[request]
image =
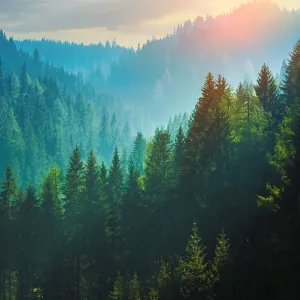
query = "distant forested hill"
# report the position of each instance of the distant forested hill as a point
(164, 75)
(74, 57)
(45, 111)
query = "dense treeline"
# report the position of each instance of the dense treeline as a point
(76, 58)
(40, 125)
(125, 230)
(45, 111)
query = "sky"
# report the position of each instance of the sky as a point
(91, 21)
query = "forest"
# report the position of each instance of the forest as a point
(92, 207)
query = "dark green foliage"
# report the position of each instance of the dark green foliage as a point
(192, 268)
(266, 90)
(115, 178)
(91, 177)
(291, 83)
(139, 151)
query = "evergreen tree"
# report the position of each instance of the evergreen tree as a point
(179, 151)
(15, 88)
(291, 83)
(266, 90)
(2, 81)
(91, 177)
(158, 171)
(134, 289)
(118, 292)
(139, 151)
(115, 178)
(8, 195)
(28, 239)
(130, 218)
(193, 268)
(8, 198)
(73, 188)
(104, 135)
(114, 131)
(221, 256)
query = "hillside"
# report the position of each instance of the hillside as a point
(166, 75)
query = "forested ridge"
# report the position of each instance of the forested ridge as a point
(46, 111)
(207, 208)
(164, 75)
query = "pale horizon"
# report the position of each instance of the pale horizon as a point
(83, 23)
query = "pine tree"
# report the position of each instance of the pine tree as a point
(130, 208)
(25, 80)
(266, 90)
(28, 238)
(50, 233)
(73, 188)
(221, 86)
(115, 178)
(91, 177)
(198, 124)
(158, 171)
(114, 131)
(139, 151)
(118, 291)
(124, 161)
(193, 268)
(115, 191)
(291, 83)
(134, 289)
(179, 151)
(103, 183)
(153, 294)
(2, 81)
(221, 254)
(8, 195)
(15, 88)
(104, 136)
(164, 279)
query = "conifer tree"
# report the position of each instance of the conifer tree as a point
(130, 208)
(221, 86)
(28, 238)
(91, 177)
(221, 255)
(2, 81)
(153, 294)
(104, 135)
(103, 182)
(8, 195)
(179, 151)
(158, 171)
(266, 90)
(139, 151)
(198, 124)
(134, 289)
(15, 88)
(73, 188)
(115, 191)
(50, 233)
(193, 268)
(118, 291)
(114, 131)
(115, 178)
(291, 83)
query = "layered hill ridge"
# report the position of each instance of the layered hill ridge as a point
(169, 72)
